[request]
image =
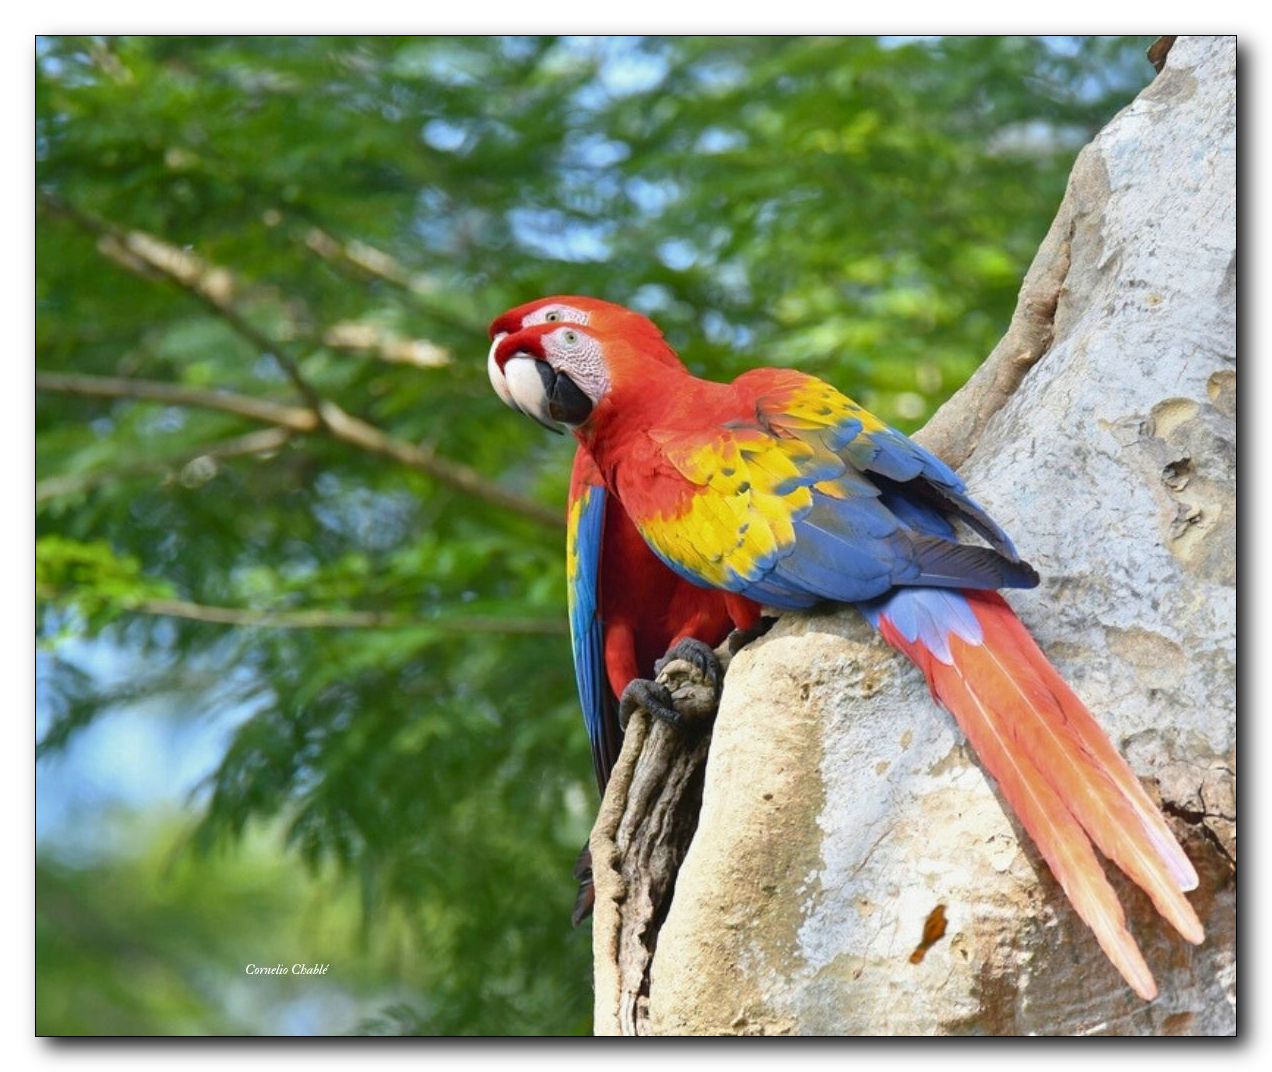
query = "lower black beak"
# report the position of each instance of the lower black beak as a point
(566, 403)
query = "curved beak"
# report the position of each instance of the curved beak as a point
(526, 380)
(530, 394)
(497, 380)
(529, 384)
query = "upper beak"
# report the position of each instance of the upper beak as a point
(522, 383)
(526, 382)
(529, 383)
(497, 380)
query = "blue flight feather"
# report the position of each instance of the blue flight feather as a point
(586, 630)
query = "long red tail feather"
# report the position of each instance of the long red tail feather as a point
(1061, 775)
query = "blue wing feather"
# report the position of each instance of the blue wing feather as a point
(587, 636)
(880, 514)
(910, 472)
(846, 507)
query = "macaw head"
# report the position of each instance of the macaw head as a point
(557, 359)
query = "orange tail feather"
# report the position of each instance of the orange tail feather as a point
(1062, 776)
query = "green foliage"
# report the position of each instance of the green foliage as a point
(158, 942)
(90, 579)
(232, 214)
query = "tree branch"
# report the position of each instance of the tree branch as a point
(366, 259)
(347, 619)
(360, 337)
(211, 286)
(333, 422)
(361, 259)
(293, 418)
(218, 289)
(646, 823)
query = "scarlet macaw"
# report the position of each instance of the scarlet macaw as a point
(781, 490)
(628, 611)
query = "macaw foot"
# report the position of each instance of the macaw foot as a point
(697, 655)
(587, 893)
(653, 697)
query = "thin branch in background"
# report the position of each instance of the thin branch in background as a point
(212, 286)
(219, 289)
(361, 337)
(294, 418)
(333, 422)
(368, 259)
(343, 619)
(215, 291)
(359, 258)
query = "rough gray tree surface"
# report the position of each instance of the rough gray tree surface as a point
(646, 824)
(841, 806)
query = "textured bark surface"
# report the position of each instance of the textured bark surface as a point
(645, 826)
(841, 806)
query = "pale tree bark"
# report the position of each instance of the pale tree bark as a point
(840, 806)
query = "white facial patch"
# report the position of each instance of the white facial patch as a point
(551, 314)
(579, 356)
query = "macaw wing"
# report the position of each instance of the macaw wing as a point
(812, 499)
(802, 406)
(584, 540)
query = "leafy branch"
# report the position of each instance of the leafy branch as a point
(358, 258)
(329, 420)
(315, 618)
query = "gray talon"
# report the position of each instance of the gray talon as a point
(653, 697)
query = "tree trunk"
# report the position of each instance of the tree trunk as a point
(841, 806)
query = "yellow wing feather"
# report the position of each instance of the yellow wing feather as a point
(755, 482)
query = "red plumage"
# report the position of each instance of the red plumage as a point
(646, 608)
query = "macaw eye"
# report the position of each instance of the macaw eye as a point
(570, 338)
(552, 317)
